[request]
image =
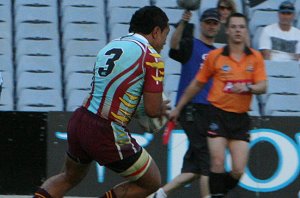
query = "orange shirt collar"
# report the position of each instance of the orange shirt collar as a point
(226, 51)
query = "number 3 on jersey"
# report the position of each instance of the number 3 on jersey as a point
(110, 63)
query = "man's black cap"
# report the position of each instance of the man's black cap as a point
(210, 14)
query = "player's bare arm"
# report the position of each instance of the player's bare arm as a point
(154, 104)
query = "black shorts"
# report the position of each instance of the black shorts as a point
(194, 121)
(228, 124)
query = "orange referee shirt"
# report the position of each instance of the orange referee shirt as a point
(226, 71)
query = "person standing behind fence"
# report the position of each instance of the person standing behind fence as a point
(281, 41)
(237, 72)
(191, 52)
(225, 9)
(125, 70)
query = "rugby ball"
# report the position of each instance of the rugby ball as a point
(156, 124)
(189, 4)
(151, 125)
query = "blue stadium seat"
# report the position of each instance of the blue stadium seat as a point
(36, 30)
(73, 14)
(38, 81)
(6, 101)
(265, 5)
(76, 99)
(283, 69)
(118, 30)
(81, 31)
(171, 82)
(283, 104)
(166, 4)
(38, 64)
(6, 63)
(82, 48)
(79, 64)
(261, 18)
(120, 15)
(40, 100)
(128, 3)
(172, 66)
(36, 46)
(77, 80)
(36, 13)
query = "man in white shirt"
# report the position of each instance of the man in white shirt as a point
(281, 41)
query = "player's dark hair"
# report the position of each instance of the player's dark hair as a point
(236, 14)
(147, 18)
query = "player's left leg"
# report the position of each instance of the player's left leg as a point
(58, 185)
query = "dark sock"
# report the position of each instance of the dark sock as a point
(41, 193)
(230, 182)
(217, 184)
(109, 194)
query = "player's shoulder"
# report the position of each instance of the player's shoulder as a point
(129, 46)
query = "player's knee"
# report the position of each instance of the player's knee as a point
(155, 185)
(150, 189)
(217, 164)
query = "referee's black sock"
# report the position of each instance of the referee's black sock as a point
(230, 182)
(217, 184)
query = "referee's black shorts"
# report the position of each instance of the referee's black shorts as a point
(228, 124)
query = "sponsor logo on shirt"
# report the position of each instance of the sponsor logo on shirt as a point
(226, 68)
(250, 68)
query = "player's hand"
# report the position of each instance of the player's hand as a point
(174, 115)
(165, 108)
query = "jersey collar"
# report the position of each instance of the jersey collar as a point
(142, 38)
(226, 51)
